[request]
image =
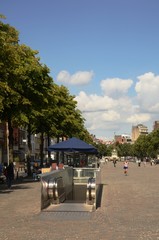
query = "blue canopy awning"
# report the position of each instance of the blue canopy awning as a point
(73, 145)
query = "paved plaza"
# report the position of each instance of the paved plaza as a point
(129, 209)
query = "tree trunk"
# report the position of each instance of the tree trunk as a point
(41, 149)
(29, 150)
(10, 133)
(48, 143)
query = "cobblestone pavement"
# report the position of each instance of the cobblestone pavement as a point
(129, 210)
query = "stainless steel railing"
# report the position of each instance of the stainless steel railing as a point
(56, 190)
(55, 186)
(60, 185)
(91, 191)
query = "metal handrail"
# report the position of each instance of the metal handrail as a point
(56, 190)
(90, 193)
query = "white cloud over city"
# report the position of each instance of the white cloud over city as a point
(78, 78)
(115, 86)
(147, 89)
(114, 109)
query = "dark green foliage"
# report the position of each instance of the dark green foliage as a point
(28, 95)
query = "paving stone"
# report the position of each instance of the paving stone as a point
(129, 209)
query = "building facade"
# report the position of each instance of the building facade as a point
(156, 125)
(138, 130)
(124, 138)
(20, 146)
(3, 143)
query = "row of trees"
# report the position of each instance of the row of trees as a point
(29, 97)
(146, 146)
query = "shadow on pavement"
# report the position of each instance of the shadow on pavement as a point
(18, 184)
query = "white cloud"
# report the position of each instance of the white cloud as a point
(115, 86)
(113, 110)
(138, 118)
(147, 89)
(93, 102)
(111, 116)
(63, 77)
(101, 121)
(79, 78)
(103, 113)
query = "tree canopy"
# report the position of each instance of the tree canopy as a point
(28, 95)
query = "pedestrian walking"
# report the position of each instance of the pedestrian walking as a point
(126, 167)
(10, 174)
(106, 160)
(139, 162)
(114, 162)
(145, 162)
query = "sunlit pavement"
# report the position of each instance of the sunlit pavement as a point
(129, 209)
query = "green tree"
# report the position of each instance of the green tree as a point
(29, 97)
(25, 83)
(68, 119)
(125, 150)
(153, 144)
(140, 147)
(9, 62)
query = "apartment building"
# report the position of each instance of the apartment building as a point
(123, 138)
(138, 130)
(20, 146)
(156, 125)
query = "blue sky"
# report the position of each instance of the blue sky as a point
(106, 52)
